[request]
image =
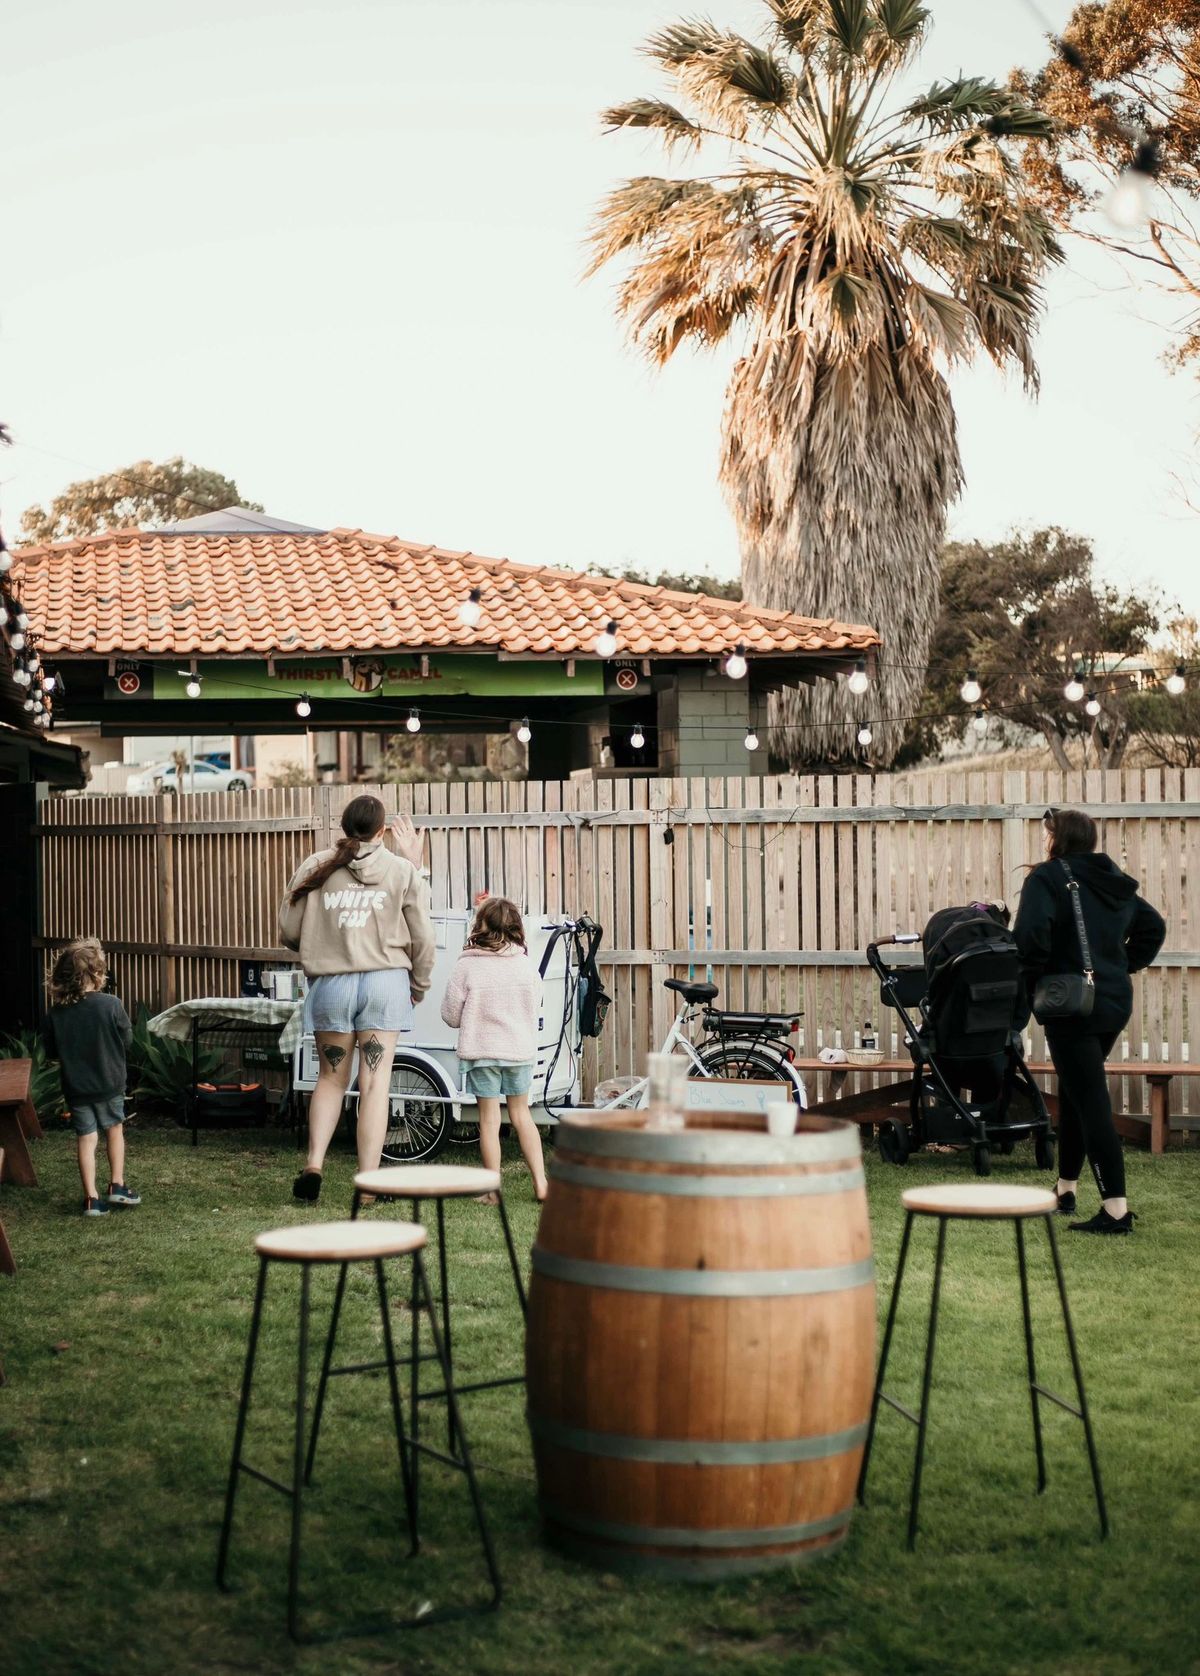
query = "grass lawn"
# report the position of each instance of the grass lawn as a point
(123, 1342)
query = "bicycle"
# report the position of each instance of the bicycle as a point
(743, 1047)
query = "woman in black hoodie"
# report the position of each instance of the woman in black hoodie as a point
(1125, 934)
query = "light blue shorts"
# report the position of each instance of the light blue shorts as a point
(347, 1002)
(488, 1079)
(90, 1115)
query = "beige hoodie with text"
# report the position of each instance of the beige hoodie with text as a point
(369, 916)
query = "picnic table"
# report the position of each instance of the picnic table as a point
(869, 1106)
(18, 1125)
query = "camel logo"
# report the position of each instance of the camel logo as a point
(367, 674)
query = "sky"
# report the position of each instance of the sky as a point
(335, 251)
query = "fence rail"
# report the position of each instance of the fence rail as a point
(776, 884)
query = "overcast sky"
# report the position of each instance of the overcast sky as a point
(334, 250)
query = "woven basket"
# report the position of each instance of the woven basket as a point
(864, 1056)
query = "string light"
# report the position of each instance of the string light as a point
(5, 558)
(524, 732)
(637, 738)
(970, 692)
(1074, 689)
(303, 705)
(1177, 682)
(735, 663)
(865, 736)
(193, 687)
(858, 682)
(17, 641)
(1131, 200)
(980, 723)
(1093, 705)
(470, 611)
(413, 724)
(28, 704)
(606, 643)
(751, 740)
(50, 682)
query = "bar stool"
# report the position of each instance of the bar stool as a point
(976, 1201)
(418, 1183)
(345, 1243)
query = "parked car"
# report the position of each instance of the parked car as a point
(201, 776)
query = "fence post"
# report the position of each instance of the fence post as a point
(164, 856)
(662, 911)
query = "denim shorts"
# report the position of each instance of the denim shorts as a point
(346, 1002)
(487, 1080)
(90, 1115)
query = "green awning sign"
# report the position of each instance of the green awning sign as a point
(387, 675)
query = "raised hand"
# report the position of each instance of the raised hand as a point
(410, 841)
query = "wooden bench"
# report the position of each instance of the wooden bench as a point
(869, 1106)
(8, 1263)
(18, 1123)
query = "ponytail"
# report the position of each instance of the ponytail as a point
(362, 818)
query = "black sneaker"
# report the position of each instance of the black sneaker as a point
(120, 1194)
(1103, 1223)
(307, 1185)
(1066, 1203)
(95, 1207)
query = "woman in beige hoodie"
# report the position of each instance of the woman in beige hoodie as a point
(359, 917)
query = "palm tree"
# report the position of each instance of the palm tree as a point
(862, 249)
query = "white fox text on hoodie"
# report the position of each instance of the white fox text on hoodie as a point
(369, 916)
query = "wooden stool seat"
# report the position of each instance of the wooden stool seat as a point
(427, 1181)
(340, 1242)
(979, 1199)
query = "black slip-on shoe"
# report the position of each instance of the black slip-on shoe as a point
(1066, 1203)
(1103, 1223)
(307, 1185)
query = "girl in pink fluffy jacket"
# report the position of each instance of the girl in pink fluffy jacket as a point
(492, 1000)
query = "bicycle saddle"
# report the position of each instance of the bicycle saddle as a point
(692, 991)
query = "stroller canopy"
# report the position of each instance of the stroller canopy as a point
(975, 992)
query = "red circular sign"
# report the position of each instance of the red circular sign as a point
(627, 679)
(129, 681)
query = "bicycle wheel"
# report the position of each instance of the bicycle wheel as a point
(742, 1063)
(419, 1117)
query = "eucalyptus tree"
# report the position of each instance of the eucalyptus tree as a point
(856, 243)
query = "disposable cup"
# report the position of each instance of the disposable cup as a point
(781, 1117)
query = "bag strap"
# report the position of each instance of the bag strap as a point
(1080, 928)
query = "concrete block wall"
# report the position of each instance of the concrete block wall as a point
(702, 722)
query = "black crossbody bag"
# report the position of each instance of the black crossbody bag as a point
(1068, 994)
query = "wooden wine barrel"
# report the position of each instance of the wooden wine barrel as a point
(701, 1342)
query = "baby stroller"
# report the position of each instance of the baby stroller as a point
(968, 1060)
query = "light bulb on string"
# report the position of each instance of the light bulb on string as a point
(1177, 682)
(606, 642)
(50, 682)
(17, 641)
(5, 560)
(637, 738)
(970, 692)
(524, 732)
(858, 681)
(20, 618)
(304, 705)
(470, 611)
(865, 735)
(1093, 705)
(193, 686)
(735, 663)
(751, 740)
(981, 724)
(28, 704)
(413, 724)
(1074, 689)
(1131, 201)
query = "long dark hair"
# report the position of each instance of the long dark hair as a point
(1072, 832)
(497, 923)
(361, 819)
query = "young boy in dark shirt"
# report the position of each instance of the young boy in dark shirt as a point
(88, 1032)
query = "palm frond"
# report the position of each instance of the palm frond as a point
(902, 22)
(675, 128)
(678, 43)
(965, 103)
(848, 25)
(635, 214)
(797, 24)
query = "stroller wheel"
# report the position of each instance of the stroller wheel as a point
(1043, 1151)
(982, 1154)
(893, 1142)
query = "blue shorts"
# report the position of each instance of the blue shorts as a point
(346, 1002)
(488, 1079)
(90, 1115)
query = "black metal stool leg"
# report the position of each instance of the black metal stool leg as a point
(326, 1364)
(1034, 1395)
(240, 1429)
(298, 1461)
(512, 1256)
(468, 1466)
(414, 1389)
(883, 1356)
(923, 1420)
(397, 1412)
(1093, 1458)
(444, 1284)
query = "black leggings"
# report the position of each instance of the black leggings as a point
(1085, 1120)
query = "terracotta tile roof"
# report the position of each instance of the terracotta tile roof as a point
(196, 594)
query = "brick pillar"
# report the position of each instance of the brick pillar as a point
(702, 722)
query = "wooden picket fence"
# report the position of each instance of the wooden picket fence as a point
(772, 886)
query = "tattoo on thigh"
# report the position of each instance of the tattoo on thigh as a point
(333, 1055)
(372, 1052)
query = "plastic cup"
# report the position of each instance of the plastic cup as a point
(781, 1118)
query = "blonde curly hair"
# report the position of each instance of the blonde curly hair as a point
(81, 966)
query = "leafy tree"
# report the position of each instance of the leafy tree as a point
(1123, 87)
(684, 582)
(858, 247)
(1168, 725)
(1025, 614)
(142, 494)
